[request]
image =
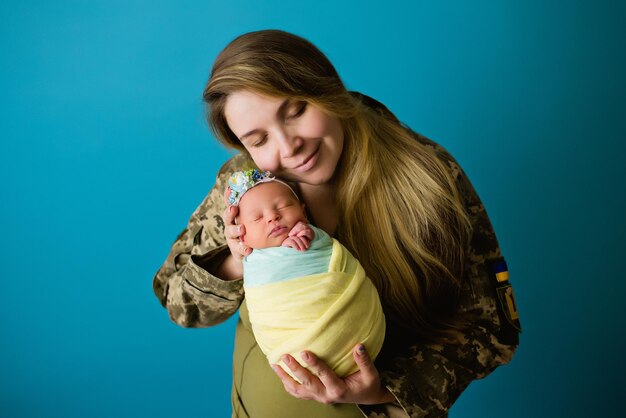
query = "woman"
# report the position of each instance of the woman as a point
(396, 200)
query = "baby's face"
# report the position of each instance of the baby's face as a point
(268, 211)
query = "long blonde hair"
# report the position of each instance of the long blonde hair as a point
(400, 212)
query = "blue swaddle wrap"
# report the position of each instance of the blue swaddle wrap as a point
(276, 264)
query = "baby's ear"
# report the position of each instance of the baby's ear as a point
(304, 210)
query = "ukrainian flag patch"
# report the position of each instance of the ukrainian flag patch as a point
(501, 271)
(507, 308)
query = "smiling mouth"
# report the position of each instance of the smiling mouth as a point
(308, 159)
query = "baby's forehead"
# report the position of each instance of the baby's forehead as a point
(266, 191)
(275, 188)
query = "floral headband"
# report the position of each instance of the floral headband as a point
(242, 181)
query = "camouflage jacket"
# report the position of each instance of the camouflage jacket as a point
(425, 379)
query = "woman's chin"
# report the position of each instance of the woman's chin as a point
(315, 178)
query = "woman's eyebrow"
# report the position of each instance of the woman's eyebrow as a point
(280, 112)
(252, 132)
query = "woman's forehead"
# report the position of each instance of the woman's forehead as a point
(247, 110)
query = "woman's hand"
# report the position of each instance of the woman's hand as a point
(231, 267)
(362, 387)
(234, 233)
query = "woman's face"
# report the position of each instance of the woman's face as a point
(292, 139)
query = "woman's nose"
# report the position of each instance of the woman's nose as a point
(289, 144)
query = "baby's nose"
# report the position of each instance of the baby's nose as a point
(273, 217)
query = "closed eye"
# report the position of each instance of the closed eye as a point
(254, 217)
(259, 142)
(298, 110)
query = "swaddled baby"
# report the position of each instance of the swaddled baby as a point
(304, 290)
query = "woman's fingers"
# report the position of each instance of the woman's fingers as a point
(234, 233)
(334, 386)
(230, 214)
(291, 386)
(303, 375)
(242, 249)
(231, 230)
(227, 194)
(368, 371)
(308, 387)
(320, 383)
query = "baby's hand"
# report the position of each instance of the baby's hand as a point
(300, 237)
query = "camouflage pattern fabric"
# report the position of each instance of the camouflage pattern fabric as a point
(193, 297)
(430, 377)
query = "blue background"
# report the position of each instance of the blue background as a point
(105, 154)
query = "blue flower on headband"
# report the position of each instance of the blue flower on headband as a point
(241, 181)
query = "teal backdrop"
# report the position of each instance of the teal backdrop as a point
(106, 152)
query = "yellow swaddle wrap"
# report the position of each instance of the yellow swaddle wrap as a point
(326, 313)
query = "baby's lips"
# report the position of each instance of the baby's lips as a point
(277, 229)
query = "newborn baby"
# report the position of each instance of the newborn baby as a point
(304, 290)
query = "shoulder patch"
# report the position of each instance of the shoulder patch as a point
(501, 271)
(507, 307)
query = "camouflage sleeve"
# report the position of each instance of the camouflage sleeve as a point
(184, 285)
(430, 378)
